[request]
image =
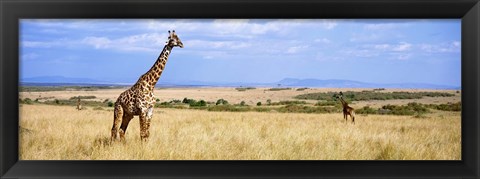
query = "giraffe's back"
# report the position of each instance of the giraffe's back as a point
(134, 101)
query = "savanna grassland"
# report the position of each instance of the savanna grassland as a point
(284, 128)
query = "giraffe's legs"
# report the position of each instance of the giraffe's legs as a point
(123, 127)
(145, 125)
(117, 119)
(352, 115)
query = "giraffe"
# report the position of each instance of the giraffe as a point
(139, 99)
(347, 110)
(79, 105)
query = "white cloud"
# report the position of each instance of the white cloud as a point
(447, 47)
(98, 42)
(403, 46)
(296, 49)
(64, 43)
(398, 51)
(363, 37)
(148, 42)
(381, 26)
(225, 45)
(400, 47)
(323, 40)
(362, 53)
(329, 24)
(30, 56)
(403, 56)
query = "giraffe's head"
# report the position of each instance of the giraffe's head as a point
(338, 96)
(173, 40)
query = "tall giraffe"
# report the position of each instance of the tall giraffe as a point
(347, 110)
(139, 99)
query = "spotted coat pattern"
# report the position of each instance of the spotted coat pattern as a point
(139, 99)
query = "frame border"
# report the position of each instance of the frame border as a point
(12, 11)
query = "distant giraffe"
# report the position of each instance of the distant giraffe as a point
(347, 110)
(139, 99)
(79, 104)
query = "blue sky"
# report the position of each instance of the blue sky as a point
(242, 50)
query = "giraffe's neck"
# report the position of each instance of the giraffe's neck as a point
(152, 75)
(343, 102)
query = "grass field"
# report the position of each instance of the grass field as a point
(51, 132)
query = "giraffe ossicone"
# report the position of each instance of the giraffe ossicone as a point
(139, 99)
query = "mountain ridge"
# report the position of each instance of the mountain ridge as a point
(286, 82)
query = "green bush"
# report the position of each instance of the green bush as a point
(446, 107)
(371, 95)
(82, 97)
(242, 103)
(259, 103)
(409, 109)
(188, 101)
(288, 102)
(200, 103)
(26, 101)
(278, 89)
(245, 89)
(306, 109)
(230, 108)
(221, 101)
(327, 103)
(366, 110)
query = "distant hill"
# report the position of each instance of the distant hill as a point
(287, 82)
(61, 79)
(335, 83)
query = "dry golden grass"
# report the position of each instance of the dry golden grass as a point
(63, 133)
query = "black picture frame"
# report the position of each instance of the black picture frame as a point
(12, 11)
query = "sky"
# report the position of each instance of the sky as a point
(245, 50)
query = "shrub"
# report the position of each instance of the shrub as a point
(26, 101)
(176, 101)
(288, 102)
(306, 109)
(221, 101)
(259, 103)
(83, 97)
(269, 101)
(447, 107)
(230, 108)
(242, 103)
(110, 104)
(189, 101)
(278, 89)
(366, 110)
(245, 89)
(371, 95)
(327, 103)
(409, 109)
(200, 103)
